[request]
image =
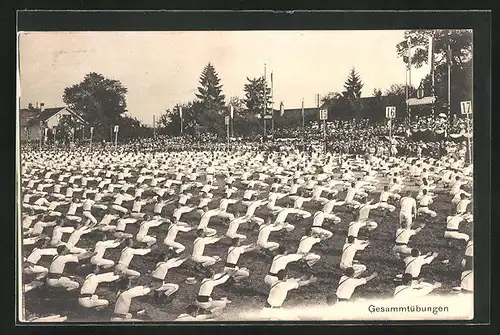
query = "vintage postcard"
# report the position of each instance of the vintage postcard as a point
(175, 176)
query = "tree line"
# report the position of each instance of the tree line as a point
(102, 101)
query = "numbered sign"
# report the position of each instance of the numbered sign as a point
(91, 130)
(116, 129)
(390, 112)
(231, 110)
(226, 120)
(180, 112)
(466, 107)
(323, 114)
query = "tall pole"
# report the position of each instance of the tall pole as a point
(390, 136)
(227, 131)
(272, 103)
(154, 126)
(265, 98)
(448, 60)
(409, 79)
(303, 128)
(91, 134)
(116, 137)
(41, 134)
(180, 116)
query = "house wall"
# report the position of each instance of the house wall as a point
(54, 120)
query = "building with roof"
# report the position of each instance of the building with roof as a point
(34, 122)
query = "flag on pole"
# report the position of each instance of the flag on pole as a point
(231, 111)
(180, 112)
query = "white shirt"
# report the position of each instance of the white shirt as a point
(128, 253)
(385, 195)
(234, 253)
(144, 228)
(347, 285)
(467, 280)
(279, 291)
(224, 203)
(403, 235)
(205, 218)
(469, 250)
(75, 236)
(349, 251)
(122, 305)
(173, 229)
(200, 243)
(453, 222)
(265, 231)
(414, 264)
(354, 228)
(87, 204)
(58, 232)
(253, 206)
(462, 205)
(281, 261)
(426, 200)
(407, 205)
(351, 192)
(234, 224)
(59, 262)
(92, 281)
(36, 254)
(306, 243)
(121, 224)
(101, 246)
(319, 217)
(208, 284)
(162, 268)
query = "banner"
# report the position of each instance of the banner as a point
(91, 130)
(231, 110)
(116, 129)
(180, 112)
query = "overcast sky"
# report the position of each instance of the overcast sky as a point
(160, 69)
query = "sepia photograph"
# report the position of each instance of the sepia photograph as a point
(260, 175)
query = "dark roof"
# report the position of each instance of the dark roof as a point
(47, 114)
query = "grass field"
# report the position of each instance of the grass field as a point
(252, 293)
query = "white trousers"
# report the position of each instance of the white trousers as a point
(178, 248)
(64, 282)
(456, 235)
(101, 262)
(93, 301)
(239, 274)
(426, 210)
(387, 206)
(204, 260)
(37, 270)
(268, 245)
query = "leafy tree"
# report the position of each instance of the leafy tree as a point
(352, 86)
(257, 94)
(210, 90)
(460, 42)
(99, 100)
(377, 93)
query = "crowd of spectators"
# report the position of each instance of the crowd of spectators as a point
(424, 136)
